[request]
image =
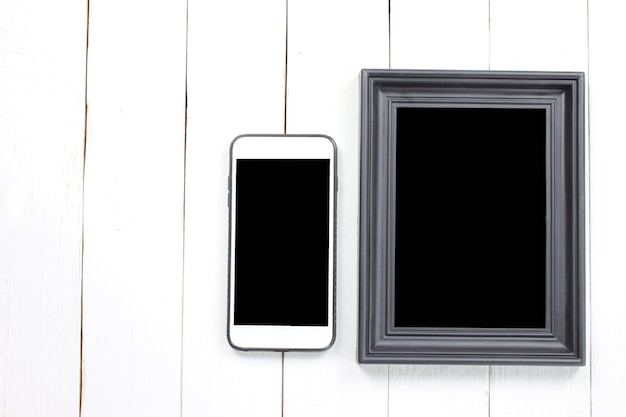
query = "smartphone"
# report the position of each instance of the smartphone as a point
(282, 240)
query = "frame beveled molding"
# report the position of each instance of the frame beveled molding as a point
(561, 94)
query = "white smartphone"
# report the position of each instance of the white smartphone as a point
(282, 200)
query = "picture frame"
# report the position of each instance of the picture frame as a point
(454, 167)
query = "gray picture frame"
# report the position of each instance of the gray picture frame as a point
(562, 341)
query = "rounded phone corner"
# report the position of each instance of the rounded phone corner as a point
(323, 348)
(235, 139)
(233, 344)
(331, 140)
(330, 344)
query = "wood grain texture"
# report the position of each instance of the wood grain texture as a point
(447, 34)
(42, 92)
(133, 208)
(438, 391)
(329, 43)
(539, 391)
(133, 228)
(236, 85)
(557, 42)
(451, 35)
(607, 141)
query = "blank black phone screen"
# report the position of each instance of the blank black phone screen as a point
(282, 242)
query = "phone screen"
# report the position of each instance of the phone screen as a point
(282, 242)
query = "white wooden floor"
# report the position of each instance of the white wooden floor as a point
(113, 211)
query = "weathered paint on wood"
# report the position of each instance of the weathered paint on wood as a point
(147, 353)
(134, 193)
(236, 85)
(447, 34)
(607, 143)
(42, 108)
(538, 35)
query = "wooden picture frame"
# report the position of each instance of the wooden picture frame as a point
(516, 162)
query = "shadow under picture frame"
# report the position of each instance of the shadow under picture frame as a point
(472, 217)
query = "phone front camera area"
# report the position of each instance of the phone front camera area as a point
(282, 236)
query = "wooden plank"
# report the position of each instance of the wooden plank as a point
(42, 108)
(329, 43)
(134, 185)
(607, 141)
(539, 391)
(438, 390)
(557, 42)
(445, 34)
(452, 34)
(236, 83)
(538, 35)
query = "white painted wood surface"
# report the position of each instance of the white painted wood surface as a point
(608, 202)
(236, 77)
(538, 35)
(444, 34)
(133, 239)
(154, 276)
(42, 107)
(325, 59)
(438, 391)
(557, 42)
(540, 391)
